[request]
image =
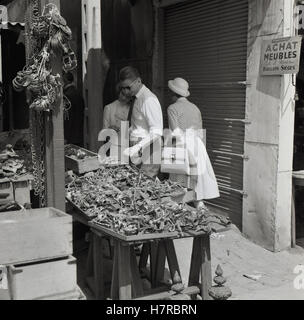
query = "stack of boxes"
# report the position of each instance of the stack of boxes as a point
(36, 256)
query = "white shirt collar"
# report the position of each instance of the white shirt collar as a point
(182, 99)
(141, 91)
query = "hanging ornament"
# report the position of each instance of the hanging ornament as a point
(40, 27)
(51, 31)
(47, 36)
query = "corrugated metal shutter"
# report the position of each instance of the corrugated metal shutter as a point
(206, 43)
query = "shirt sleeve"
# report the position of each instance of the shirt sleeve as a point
(153, 113)
(106, 117)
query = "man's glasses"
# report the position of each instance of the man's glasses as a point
(128, 87)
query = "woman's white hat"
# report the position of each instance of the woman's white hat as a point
(179, 86)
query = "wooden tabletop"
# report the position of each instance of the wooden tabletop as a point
(129, 240)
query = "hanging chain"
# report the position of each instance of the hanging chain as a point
(37, 134)
(37, 127)
(42, 170)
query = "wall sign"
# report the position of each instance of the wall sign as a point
(280, 56)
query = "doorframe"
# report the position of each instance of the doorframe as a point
(1, 80)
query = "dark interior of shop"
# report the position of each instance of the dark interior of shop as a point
(126, 41)
(298, 163)
(15, 111)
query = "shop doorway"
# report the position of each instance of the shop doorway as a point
(298, 160)
(205, 42)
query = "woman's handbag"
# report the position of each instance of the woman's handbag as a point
(175, 160)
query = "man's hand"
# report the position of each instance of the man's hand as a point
(137, 160)
(133, 151)
(134, 154)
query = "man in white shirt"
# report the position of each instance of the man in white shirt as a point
(146, 123)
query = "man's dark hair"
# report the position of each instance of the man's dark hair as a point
(128, 73)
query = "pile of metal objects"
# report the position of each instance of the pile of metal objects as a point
(76, 153)
(8, 205)
(15, 163)
(126, 201)
(166, 217)
(116, 188)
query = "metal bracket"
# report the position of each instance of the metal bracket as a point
(245, 121)
(245, 157)
(242, 192)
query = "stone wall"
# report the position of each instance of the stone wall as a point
(269, 137)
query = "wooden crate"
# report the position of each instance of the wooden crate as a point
(34, 235)
(22, 192)
(22, 189)
(42, 280)
(7, 187)
(82, 166)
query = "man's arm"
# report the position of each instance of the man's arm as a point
(154, 117)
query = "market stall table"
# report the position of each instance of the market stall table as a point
(128, 209)
(126, 279)
(95, 256)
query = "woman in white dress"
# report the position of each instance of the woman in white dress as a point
(184, 116)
